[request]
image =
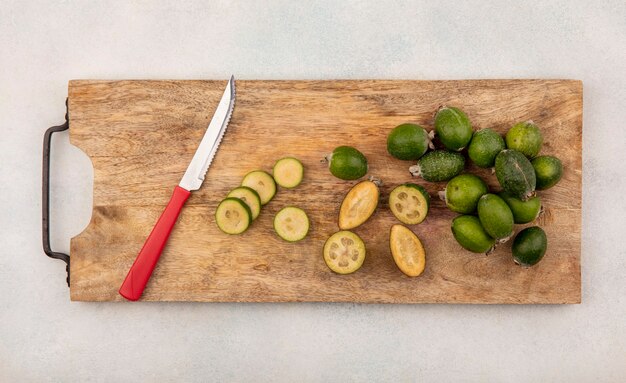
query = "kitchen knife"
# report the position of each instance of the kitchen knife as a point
(142, 268)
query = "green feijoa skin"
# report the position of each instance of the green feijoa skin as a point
(438, 165)
(408, 142)
(495, 216)
(470, 234)
(347, 163)
(463, 192)
(525, 137)
(453, 128)
(548, 170)
(515, 174)
(529, 246)
(523, 211)
(484, 147)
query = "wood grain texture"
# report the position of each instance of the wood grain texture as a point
(140, 136)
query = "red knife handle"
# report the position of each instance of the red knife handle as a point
(140, 271)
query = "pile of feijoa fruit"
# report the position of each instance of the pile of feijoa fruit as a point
(486, 218)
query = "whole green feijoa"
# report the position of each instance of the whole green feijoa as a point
(347, 163)
(495, 216)
(548, 170)
(408, 142)
(525, 137)
(453, 128)
(523, 211)
(463, 192)
(515, 174)
(529, 246)
(484, 147)
(470, 234)
(438, 165)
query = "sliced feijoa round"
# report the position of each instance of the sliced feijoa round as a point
(438, 165)
(463, 192)
(523, 211)
(347, 163)
(358, 205)
(250, 197)
(409, 203)
(407, 251)
(408, 142)
(525, 137)
(288, 172)
(233, 216)
(344, 252)
(484, 147)
(262, 183)
(291, 224)
(453, 128)
(548, 170)
(529, 246)
(495, 216)
(470, 234)
(515, 174)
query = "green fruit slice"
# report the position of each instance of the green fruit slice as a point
(407, 251)
(525, 137)
(288, 172)
(463, 192)
(484, 147)
(438, 165)
(291, 224)
(408, 142)
(495, 216)
(233, 216)
(453, 128)
(515, 174)
(523, 211)
(262, 183)
(358, 205)
(548, 170)
(250, 197)
(344, 252)
(529, 246)
(409, 203)
(347, 163)
(470, 234)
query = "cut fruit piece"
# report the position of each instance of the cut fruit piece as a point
(358, 205)
(250, 197)
(262, 183)
(291, 224)
(344, 252)
(409, 203)
(407, 251)
(288, 172)
(233, 216)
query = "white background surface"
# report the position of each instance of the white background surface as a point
(44, 337)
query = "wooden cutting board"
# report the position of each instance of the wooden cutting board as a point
(140, 136)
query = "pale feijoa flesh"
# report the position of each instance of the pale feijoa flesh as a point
(358, 205)
(463, 192)
(409, 203)
(407, 251)
(288, 172)
(344, 252)
(262, 183)
(453, 128)
(250, 197)
(233, 216)
(291, 224)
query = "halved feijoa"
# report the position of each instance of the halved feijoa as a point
(408, 142)
(409, 203)
(358, 205)
(525, 137)
(347, 163)
(548, 170)
(344, 252)
(453, 128)
(233, 216)
(407, 251)
(288, 172)
(463, 192)
(515, 174)
(495, 216)
(484, 147)
(529, 246)
(523, 211)
(262, 183)
(438, 165)
(470, 234)
(250, 197)
(291, 224)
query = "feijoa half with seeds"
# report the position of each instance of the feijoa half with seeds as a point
(358, 205)
(409, 203)
(344, 252)
(407, 250)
